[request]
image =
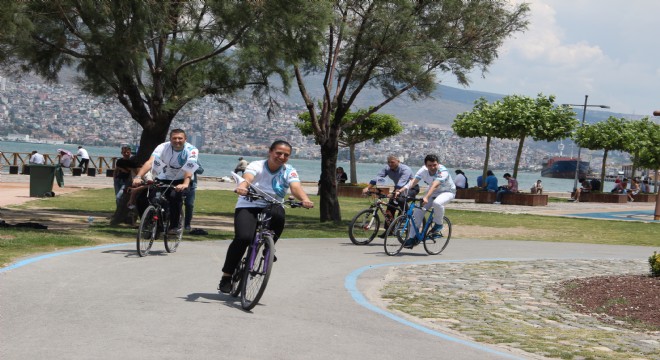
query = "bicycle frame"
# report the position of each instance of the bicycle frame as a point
(262, 228)
(420, 235)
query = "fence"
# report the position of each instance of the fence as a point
(18, 160)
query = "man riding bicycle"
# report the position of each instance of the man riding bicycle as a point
(173, 162)
(441, 189)
(272, 177)
(400, 174)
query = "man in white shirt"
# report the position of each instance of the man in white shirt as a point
(36, 158)
(173, 162)
(83, 158)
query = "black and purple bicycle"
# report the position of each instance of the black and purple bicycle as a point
(251, 276)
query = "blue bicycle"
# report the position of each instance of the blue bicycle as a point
(413, 228)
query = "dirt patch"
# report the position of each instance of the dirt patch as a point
(634, 299)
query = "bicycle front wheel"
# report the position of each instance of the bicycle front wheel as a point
(171, 240)
(364, 227)
(256, 274)
(435, 244)
(147, 232)
(396, 235)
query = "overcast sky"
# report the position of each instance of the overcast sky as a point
(607, 49)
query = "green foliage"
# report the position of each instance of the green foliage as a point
(517, 117)
(654, 264)
(614, 134)
(398, 47)
(645, 150)
(156, 56)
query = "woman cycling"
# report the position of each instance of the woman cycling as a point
(273, 177)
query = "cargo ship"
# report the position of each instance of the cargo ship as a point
(563, 167)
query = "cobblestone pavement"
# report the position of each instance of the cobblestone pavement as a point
(513, 304)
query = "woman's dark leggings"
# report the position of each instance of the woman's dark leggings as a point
(245, 224)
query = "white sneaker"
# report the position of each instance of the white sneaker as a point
(497, 202)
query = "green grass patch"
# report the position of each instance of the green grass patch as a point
(17, 243)
(304, 223)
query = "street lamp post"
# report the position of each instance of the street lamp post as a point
(584, 115)
(656, 216)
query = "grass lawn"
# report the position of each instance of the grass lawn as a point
(302, 223)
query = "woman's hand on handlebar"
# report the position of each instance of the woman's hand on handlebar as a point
(307, 204)
(241, 191)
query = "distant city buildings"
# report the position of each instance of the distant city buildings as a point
(57, 113)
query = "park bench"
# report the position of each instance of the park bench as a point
(645, 197)
(470, 193)
(485, 197)
(602, 197)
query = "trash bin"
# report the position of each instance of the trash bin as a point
(76, 171)
(41, 180)
(91, 172)
(26, 169)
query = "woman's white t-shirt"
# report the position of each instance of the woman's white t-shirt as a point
(275, 184)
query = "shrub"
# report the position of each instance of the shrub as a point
(654, 263)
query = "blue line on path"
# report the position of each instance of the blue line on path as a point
(350, 283)
(47, 256)
(638, 215)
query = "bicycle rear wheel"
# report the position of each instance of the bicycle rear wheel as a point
(172, 241)
(147, 232)
(436, 244)
(396, 235)
(236, 278)
(255, 276)
(364, 227)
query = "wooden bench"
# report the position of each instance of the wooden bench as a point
(645, 197)
(524, 199)
(602, 197)
(485, 197)
(470, 193)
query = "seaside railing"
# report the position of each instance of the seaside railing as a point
(17, 160)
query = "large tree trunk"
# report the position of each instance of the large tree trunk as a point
(152, 135)
(602, 171)
(484, 174)
(329, 204)
(353, 164)
(518, 156)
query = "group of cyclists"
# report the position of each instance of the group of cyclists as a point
(175, 162)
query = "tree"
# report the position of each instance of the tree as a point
(157, 56)
(375, 127)
(642, 132)
(648, 155)
(611, 135)
(519, 117)
(399, 47)
(480, 122)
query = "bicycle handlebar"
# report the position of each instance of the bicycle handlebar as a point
(253, 195)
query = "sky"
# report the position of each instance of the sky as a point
(606, 49)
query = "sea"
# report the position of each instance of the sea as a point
(309, 170)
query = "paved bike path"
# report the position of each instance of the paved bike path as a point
(106, 303)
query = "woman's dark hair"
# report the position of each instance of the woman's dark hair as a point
(277, 143)
(431, 158)
(459, 171)
(507, 175)
(489, 172)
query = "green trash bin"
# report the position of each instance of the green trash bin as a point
(41, 179)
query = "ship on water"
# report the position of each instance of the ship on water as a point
(564, 167)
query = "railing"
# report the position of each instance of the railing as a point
(101, 163)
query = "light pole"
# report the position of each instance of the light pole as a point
(656, 216)
(584, 115)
